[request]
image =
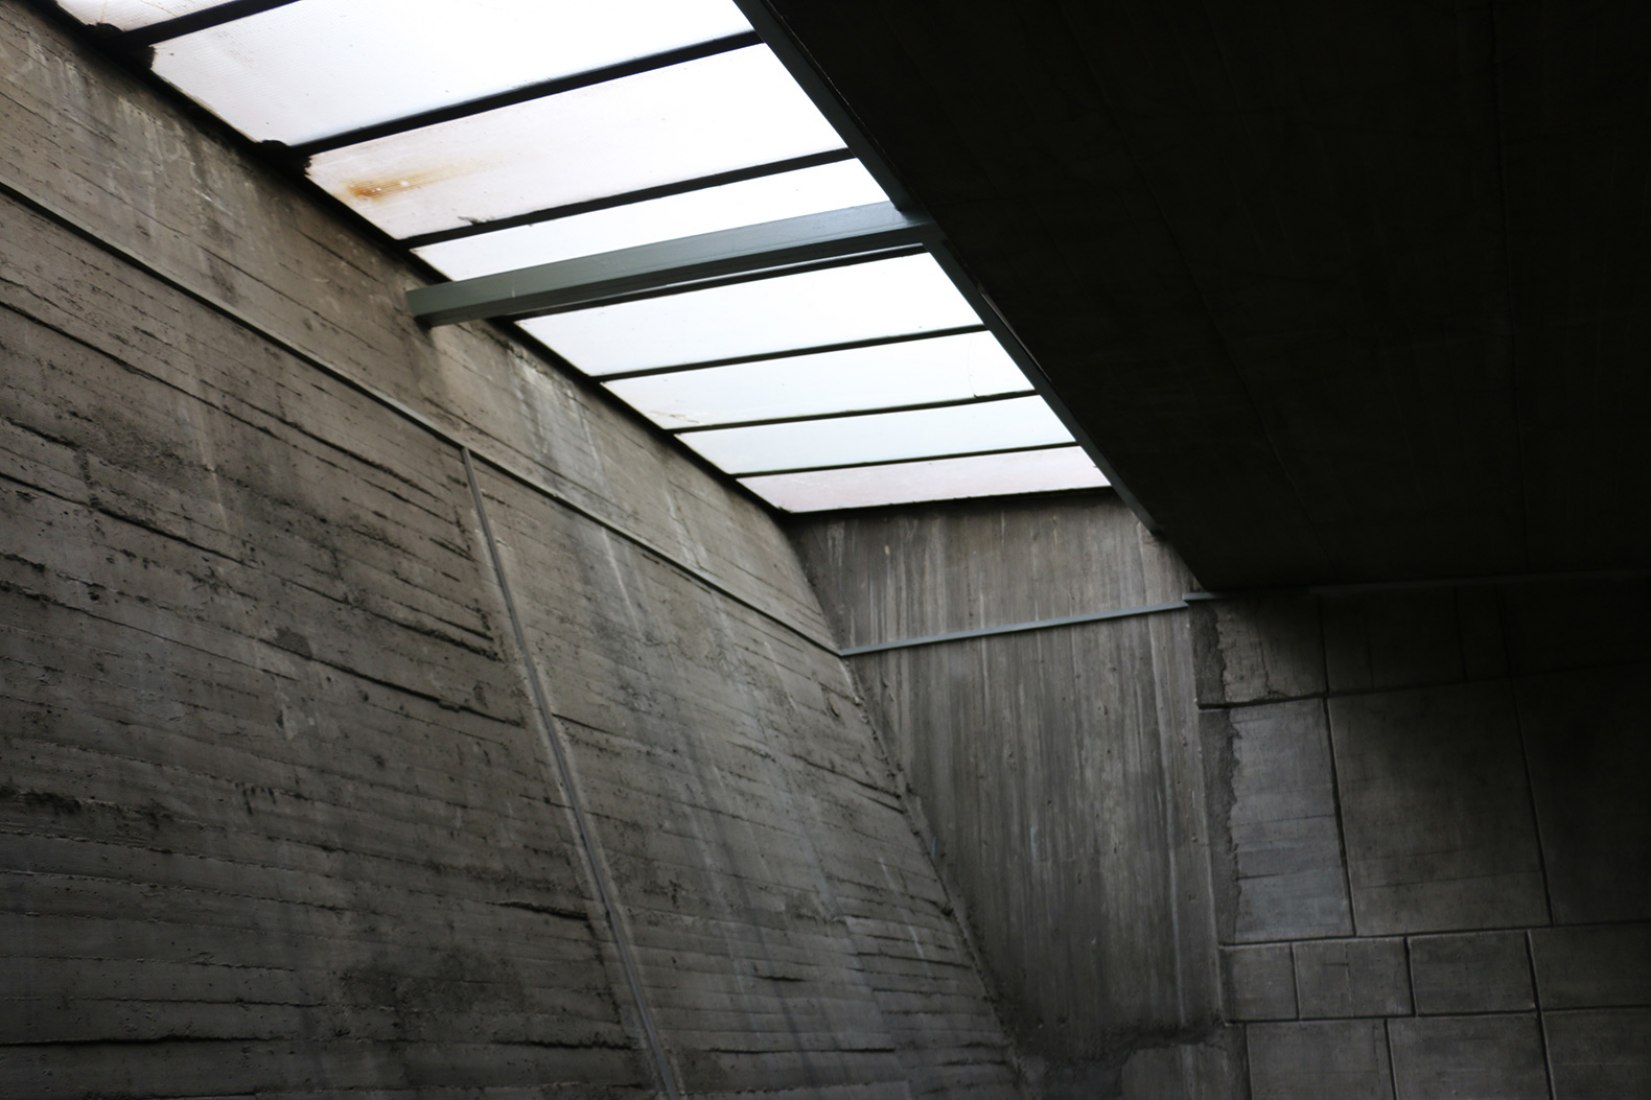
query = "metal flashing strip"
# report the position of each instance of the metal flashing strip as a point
(1014, 628)
(859, 230)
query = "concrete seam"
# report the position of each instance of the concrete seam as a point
(1392, 1068)
(551, 733)
(51, 213)
(1541, 1016)
(1341, 823)
(1530, 799)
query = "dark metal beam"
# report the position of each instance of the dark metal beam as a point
(843, 414)
(589, 280)
(742, 474)
(526, 92)
(205, 19)
(626, 198)
(791, 353)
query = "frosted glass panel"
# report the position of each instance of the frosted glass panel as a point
(880, 437)
(733, 110)
(786, 195)
(836, 305)
(946, 368)
(325, 66)
(127, 14)
(942, 479)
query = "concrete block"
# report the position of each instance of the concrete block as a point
(1479, 626)
(1589, 756)
(1276, 845)
(1258, 983)
(1391, 639)
(1468, 1058)
(1344, 1059)
(1575, 624)
(1471, 972)
(1340, 978)
(1596, 967)
(1434, 802)
(1249, 650)
(1602, 1054)
(1209, 1070)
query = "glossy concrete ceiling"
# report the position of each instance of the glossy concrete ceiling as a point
(1348, 292)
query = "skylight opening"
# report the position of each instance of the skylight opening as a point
(693, 232)
(728, 111)
(908, 294)
(320, 67)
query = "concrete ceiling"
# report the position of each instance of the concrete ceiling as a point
(1345, 292)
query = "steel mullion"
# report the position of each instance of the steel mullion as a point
(540, 90)
(844, 414)
(742, 475)
(626, 198)
(790, 353)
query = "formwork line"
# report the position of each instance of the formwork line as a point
(555, 740)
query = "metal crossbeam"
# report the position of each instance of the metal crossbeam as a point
(754, 249)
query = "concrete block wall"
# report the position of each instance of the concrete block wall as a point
(1432, 838)
(1058, 770)
(381, 712)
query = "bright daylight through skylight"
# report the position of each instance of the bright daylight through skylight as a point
(679, 220)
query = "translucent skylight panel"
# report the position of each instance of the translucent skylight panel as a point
(732, 110)
(881, 437)
(321, 67)
(859, 301)
(129, 14)
(771, 198)
(941, 479)
(945, 368)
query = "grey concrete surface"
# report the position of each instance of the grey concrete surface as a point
(1058, 771)
(1471, 972)
(1258, 983)
(1312, 1061)
(1362, 977)
(1593, 967)
(278, 814)
(1280, 870)
(1469, 1058)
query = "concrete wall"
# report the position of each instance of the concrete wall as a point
(1058, 770)
(294, 800)
(1433, 837)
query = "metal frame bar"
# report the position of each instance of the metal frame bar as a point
(843, 414)
(539, 90)
(1014, 628)
(626, 198)
(167, 29)
(669, 265)
(790, 353)
(904, 461)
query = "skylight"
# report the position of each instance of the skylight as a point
(645, 189)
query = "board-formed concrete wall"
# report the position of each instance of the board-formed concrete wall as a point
(1433, 838)
(1058, 769)
(382, 712)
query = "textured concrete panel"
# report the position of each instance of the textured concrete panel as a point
(1471, 972)
(1258, 983)
(1392, 639)
(1589, 756)
(1248, 650)
(1574, 624)
(1593, 967)
(1439, 824)
(1277, 852)
(1600, 1055)
(1209, 1070)
(1468, 1058)
(1338, 978)
(1347, 1060)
